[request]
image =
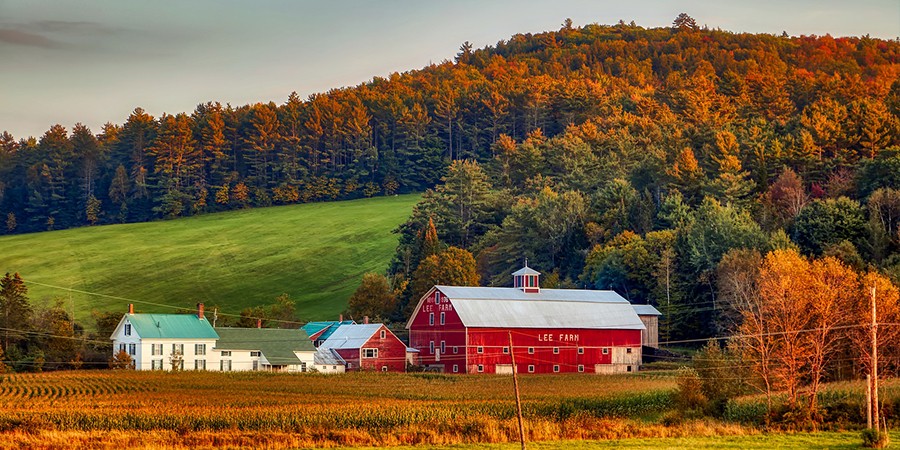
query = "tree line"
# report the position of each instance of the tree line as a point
(642, 96)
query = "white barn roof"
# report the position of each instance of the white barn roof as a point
(350, 336)
(484, 307)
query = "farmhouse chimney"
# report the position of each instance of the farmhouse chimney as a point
(366, 320)
(131, 308)
(258, 323)
(200, 311)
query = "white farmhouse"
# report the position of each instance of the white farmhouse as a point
(189, 342)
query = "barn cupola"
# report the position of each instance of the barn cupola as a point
(527, 280)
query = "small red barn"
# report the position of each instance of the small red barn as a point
(367, 347)
(460, 329)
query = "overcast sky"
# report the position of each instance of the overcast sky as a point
(95, 61)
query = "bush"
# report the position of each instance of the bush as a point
(689, 398)
(875, 439)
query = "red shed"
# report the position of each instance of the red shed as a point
(367, 347)
(461, 329)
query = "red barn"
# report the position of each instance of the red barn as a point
(367, 347)
(468, 329)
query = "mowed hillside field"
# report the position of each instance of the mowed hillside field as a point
(316, 253)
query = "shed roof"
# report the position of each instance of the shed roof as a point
(277, 345)
(483, 307)
(646, 310)
(351, 336)
(328, 357)
(171, 326)
(324, 327)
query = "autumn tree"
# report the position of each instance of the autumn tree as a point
(373, 298)
(452, 267)
(15, 311)
(684, 22)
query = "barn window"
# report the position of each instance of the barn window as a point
(456, 368)
(481, 368)
(455, 349)
(581, 367)
(555, 350)
(580, 350)
(443, 347)
(431, 347)
(437, 297)
(384, 368)
(505, 350)
(605, 351)
(531, 368)
(480, 350)
(430, 318)
(628, 369)
(442, 318)
(383, 334)
(370, 352)
(530, 350)
(628, 350)
(127, 329)
(556, 368)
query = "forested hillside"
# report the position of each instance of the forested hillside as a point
(610, 156)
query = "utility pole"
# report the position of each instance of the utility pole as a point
(875, 419)
(512, 355)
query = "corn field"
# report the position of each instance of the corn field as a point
(270, 410)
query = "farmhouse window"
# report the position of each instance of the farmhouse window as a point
(442, 318)
(530, 350)
(580, 350)
(531, 368)
(156, 350)
(505, 350)
(383, 334)
(127, 329)
(555, 350)
(226, 352)
(481, 368)
(431, 347)
(443, 347)
(255, 354)
(430, 318)
(177, 349)
(199, 364)
(225, 365)
(480, 350)
(581, 367)
(156, 364)
(122, 347)
(370, 353)
(605, 351)
(455, 349)
(178, 364)
(132, 349)
(255, 365)
(456, 368)
(199, 349)
(556, 368)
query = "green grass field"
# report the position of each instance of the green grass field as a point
(316, 253)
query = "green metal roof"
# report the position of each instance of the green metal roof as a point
(171, 326)
(277, 345)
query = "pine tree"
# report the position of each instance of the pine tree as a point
(15, 311)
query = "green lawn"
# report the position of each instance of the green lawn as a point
(824, 440)
(316, 253)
